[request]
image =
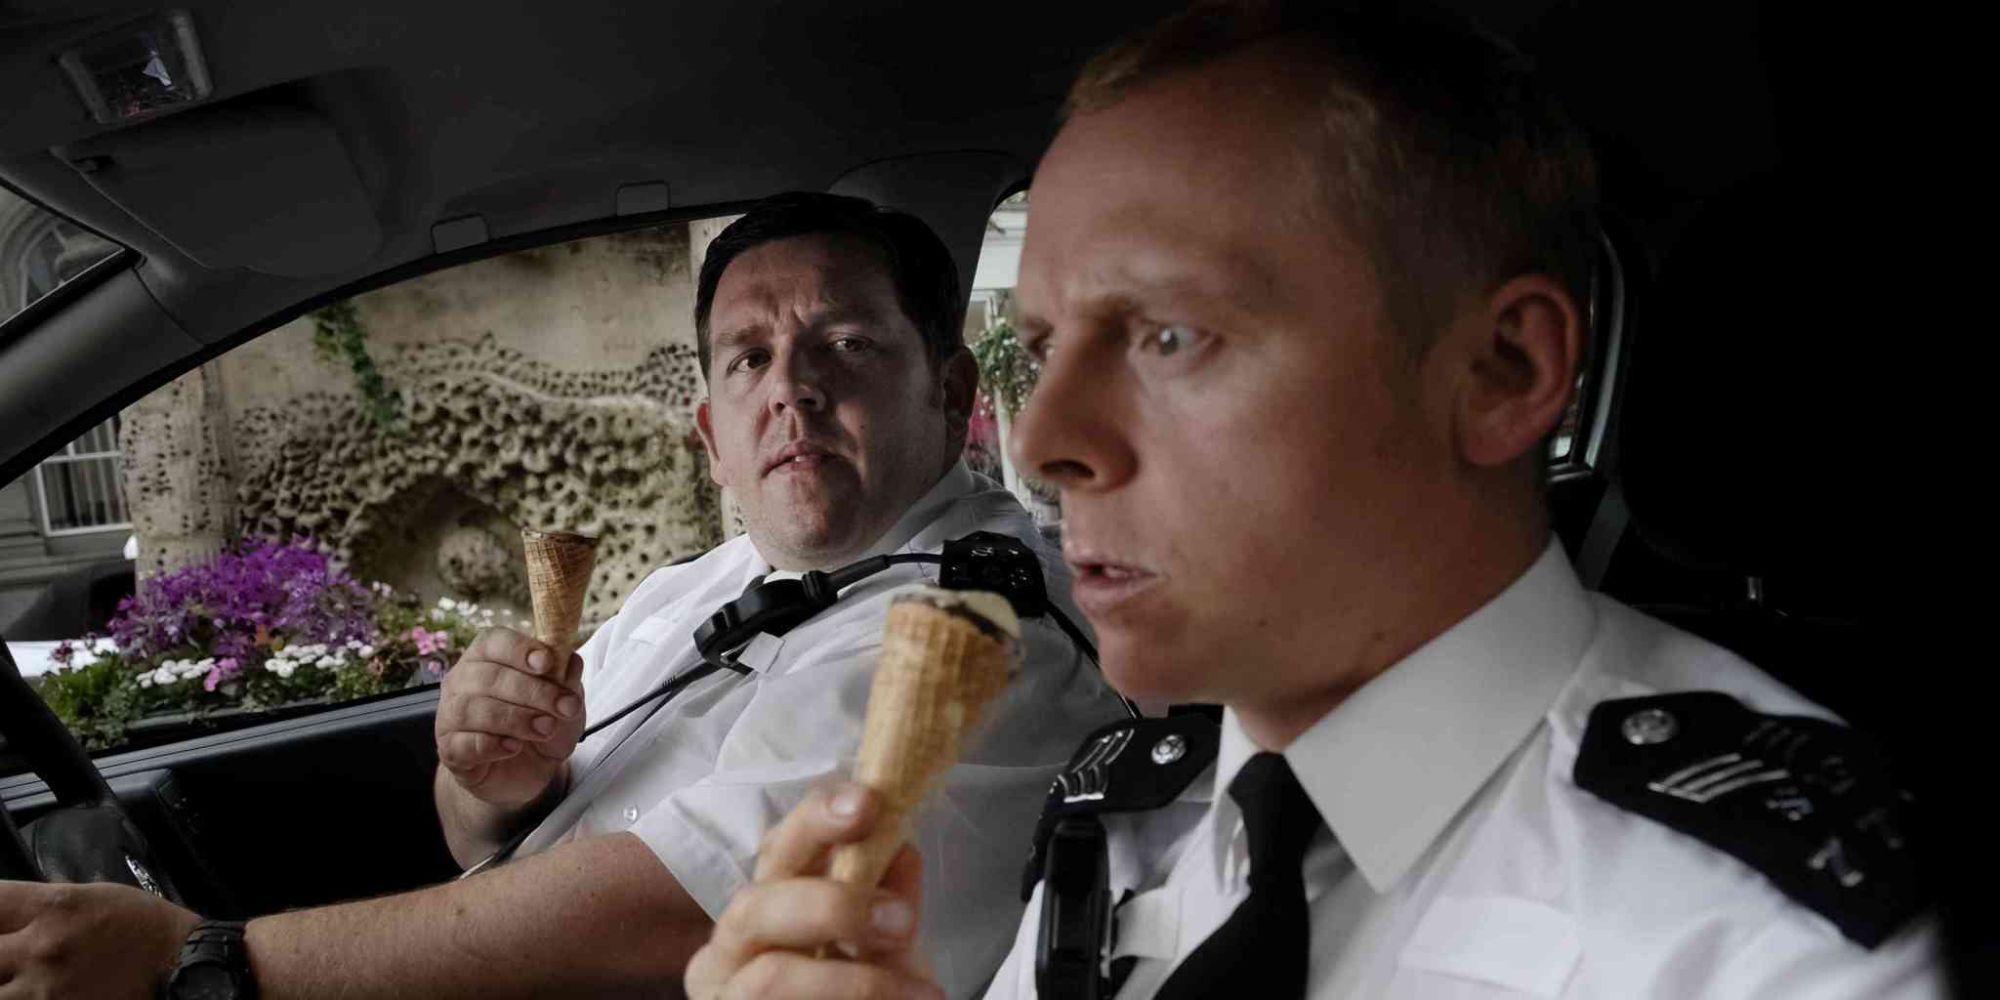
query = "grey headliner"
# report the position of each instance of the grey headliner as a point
(533, 115)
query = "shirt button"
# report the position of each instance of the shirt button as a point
(1649, 726)
(631, 814)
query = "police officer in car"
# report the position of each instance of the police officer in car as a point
(1305, 286)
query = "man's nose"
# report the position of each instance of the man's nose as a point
(797, 383)
(1073, 431)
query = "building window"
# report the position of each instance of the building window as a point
(79, 487)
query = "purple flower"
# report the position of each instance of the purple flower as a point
(63, 653)
(235, 606)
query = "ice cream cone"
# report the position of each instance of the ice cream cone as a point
(559, 564)
(945, 655)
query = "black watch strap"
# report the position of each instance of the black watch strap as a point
(214, 964)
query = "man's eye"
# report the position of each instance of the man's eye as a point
(1167, 341)
(1037, 348)
(749, 360)
(850, 345)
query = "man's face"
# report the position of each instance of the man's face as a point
(825, 418)
(1247, 452)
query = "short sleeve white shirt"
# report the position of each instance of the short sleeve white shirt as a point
(1459, 859)
(731, 755)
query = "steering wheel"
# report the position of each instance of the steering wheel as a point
(87, 837)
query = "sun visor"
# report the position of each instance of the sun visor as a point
(267, 185)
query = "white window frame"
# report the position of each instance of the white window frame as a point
(70, 456)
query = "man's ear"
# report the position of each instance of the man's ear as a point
(959, 383)
(1520, 359)
(704, 426)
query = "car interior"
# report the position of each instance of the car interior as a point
(344, 147)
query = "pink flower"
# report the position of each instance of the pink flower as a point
(434, 668)
(63, 653)
(429, 642)
(225, 669)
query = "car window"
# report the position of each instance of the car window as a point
(333, 510)
(39, 250)
(1006, 373)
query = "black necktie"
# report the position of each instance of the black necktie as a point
(1261, 949)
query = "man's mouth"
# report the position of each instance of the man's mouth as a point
(799, 456)
(1104, 582)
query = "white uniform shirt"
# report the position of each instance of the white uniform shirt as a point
(731, 755)
(1461, 861)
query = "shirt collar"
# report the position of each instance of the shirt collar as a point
(957, 482)
(1391, 766)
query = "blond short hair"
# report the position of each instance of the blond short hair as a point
(1454, 168)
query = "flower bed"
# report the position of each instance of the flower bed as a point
(264, 627)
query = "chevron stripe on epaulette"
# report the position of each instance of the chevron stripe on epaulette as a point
(1808, 803)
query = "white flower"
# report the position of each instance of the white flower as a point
(364, 651)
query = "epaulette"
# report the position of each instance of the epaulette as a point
(1808, 803)
(1130, 766)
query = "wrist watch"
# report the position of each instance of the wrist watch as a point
(214, 964)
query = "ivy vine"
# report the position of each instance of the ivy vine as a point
(338, 336)
(1004, 366)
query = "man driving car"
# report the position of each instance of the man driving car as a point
(838, 397)
(1305, 284)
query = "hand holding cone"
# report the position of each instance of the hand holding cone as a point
(945, 655)
(559, 564)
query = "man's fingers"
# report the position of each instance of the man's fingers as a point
(463, 751)
(905, 876)
(481, 714)
(543, 694)
(805, 913)
(510, 648)
(834, 814)
(785, 974)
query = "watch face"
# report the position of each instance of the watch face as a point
(204, 982)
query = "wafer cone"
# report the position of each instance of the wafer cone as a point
(944, 655)
(559, 565)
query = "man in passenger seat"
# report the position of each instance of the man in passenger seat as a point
(1305, 285)
(839, 392)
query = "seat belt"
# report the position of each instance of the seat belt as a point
(1600, 541)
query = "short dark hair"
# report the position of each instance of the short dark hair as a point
(925, 276)
(1452, 165)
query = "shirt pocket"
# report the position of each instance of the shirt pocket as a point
(1488, 946)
